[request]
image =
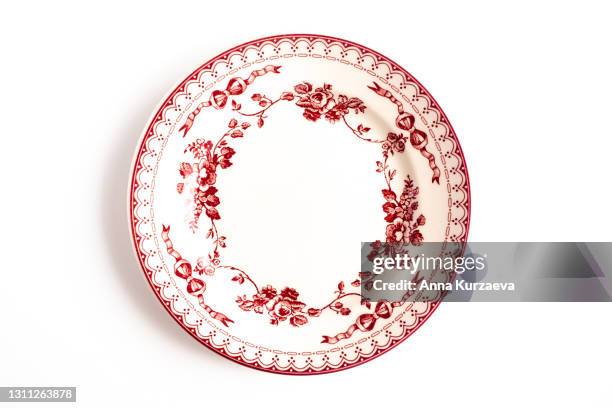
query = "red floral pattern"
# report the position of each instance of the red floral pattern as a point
(317, 103)
(279, 306)
(285, 304)
(322, 102)
(403, 226)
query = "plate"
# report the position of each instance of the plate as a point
(258, 177)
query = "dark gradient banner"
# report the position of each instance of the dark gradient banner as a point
(487, 272)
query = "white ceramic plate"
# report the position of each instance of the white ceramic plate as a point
(259, 176)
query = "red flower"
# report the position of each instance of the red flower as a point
(311, 114)
(208, 197)
(314, 103)
(268, 291)
(409, 193)
(259, 300)
(207, 175)
(398, 231)
(289, 293)
(317, 100)
(185, 169)
(416, 238)
(394, 143)
(281, 310)
(334, 114)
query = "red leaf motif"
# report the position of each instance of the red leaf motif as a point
(224, 163)
(213, 200)
(314, 312)
(341, 286)
(362, 129)
(239, 279)
(287, 96)
(303, 88)
(232, 123)
(211, 190)
(356, 282)
(236, 133)
(390, 217)
(365, 275)
(260, 122)
(389, 195)
(247, 305)
(298, 320)
(297, 306)
(213, 214)
(235, 105)
(388, 207)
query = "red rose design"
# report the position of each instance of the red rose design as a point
(281, 310)
(315, 103)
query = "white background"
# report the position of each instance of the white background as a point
(526, 86)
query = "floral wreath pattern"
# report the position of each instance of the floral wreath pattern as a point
(198, 174)
(209, 157)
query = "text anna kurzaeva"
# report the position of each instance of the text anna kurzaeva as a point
(415, 265)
